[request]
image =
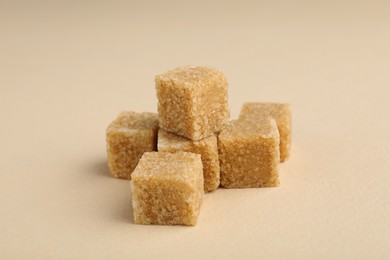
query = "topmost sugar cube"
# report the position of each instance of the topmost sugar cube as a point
(192, 101)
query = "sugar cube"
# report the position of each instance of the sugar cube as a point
(167, 188)
(192, 101)
(128, 137)
(207, 148)
(282, 115)
(249, 154)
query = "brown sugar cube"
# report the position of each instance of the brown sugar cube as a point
(167, 188)
(207, 148)
(128, 137)
(249, 154)
(282, 115)
(192, 101)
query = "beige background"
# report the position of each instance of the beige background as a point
(68, 68)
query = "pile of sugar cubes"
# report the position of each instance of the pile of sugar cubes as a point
(190, 147)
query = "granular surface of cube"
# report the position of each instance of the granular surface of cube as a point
(167, 188)
(249, 154)
(128, 137)
(282, 115)
(207, 148)
(192, 101)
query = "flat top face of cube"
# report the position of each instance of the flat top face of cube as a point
(128, 120)
(277, 110)
(192, 77)
(263, 128)
(168, 141)
(165, 165)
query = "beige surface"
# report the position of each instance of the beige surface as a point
(67, 69)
